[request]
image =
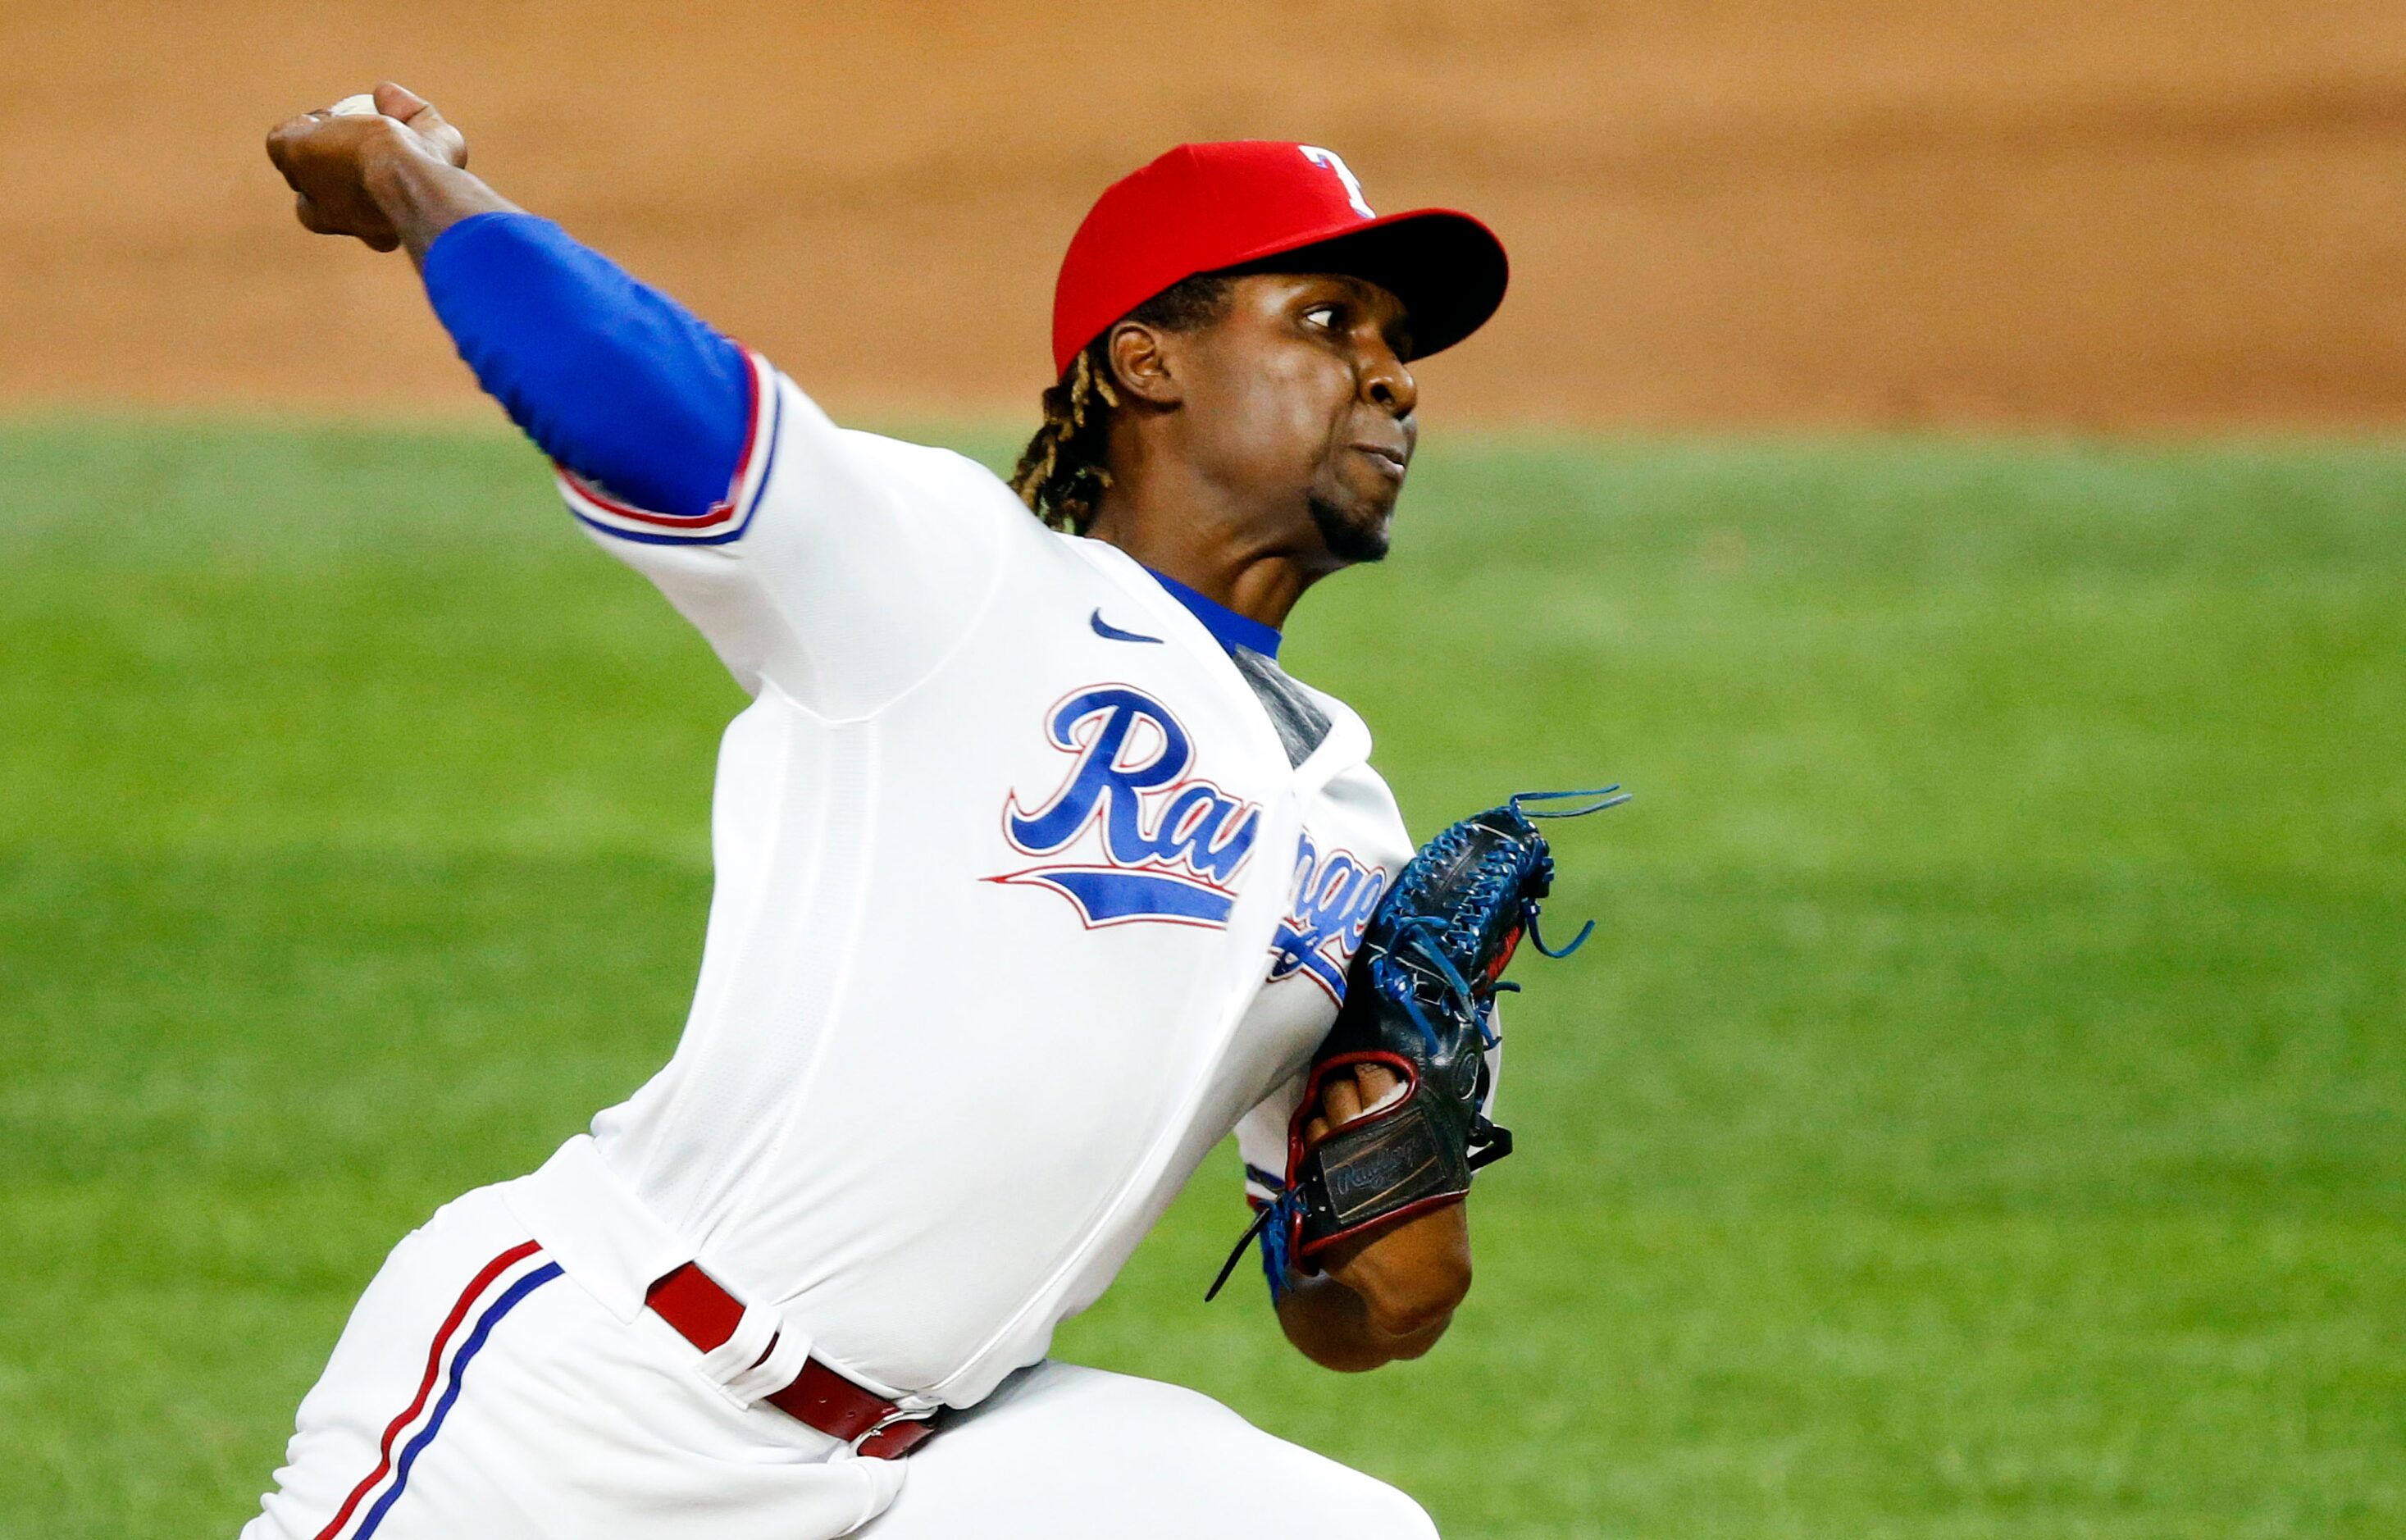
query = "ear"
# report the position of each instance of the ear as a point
(1142, 364)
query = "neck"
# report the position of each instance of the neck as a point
(1258, 585)
(1184, 527)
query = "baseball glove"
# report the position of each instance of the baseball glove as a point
(1419, 1000)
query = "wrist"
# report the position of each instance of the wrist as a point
(419, 194)
(390, 170)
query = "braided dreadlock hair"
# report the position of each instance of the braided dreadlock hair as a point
(1062, 473)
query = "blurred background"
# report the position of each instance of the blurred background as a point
(2094, 213)
(1944, 456)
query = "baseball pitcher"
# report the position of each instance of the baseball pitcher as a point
(1035, 876)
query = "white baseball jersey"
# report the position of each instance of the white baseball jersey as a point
(1028, 891)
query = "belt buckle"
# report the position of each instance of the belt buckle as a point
(898, 1415)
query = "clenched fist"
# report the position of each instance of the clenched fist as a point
(342, 169)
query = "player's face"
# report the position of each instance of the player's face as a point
(1299, 397)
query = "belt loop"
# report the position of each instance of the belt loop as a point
(745, 1348)
(777, 1367)
(755, 1358)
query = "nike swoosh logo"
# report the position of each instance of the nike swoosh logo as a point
(1110, 632)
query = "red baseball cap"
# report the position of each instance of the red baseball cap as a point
(1204, 207)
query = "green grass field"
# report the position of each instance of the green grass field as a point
(1982, 1114)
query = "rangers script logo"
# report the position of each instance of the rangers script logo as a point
(1144, 840)
(1335, 897)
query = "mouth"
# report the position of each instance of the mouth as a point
(1389, 461)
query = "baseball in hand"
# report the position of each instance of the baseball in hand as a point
(362, 105)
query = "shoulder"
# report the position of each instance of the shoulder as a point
(945, 477)
(965, 497)
(800, 439)
(923, 461)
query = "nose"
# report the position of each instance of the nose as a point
(1387, 384)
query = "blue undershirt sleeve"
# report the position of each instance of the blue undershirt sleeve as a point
(612, 378)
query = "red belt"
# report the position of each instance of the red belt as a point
(706, 1315)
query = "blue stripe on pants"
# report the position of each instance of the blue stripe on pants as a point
(460, 1361)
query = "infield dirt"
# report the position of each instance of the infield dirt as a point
(2053, 213)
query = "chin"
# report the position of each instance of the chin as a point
(1353, 534)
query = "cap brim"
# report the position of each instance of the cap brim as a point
(1449, 269)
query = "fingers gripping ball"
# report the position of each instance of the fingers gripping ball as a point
(362, 106)
(1419, 1002)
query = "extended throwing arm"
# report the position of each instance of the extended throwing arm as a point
(612, 378)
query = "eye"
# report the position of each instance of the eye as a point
(1327, 315)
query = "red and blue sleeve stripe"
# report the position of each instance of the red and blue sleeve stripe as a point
(723, 520)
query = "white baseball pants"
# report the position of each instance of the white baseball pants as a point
(479, 1393)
